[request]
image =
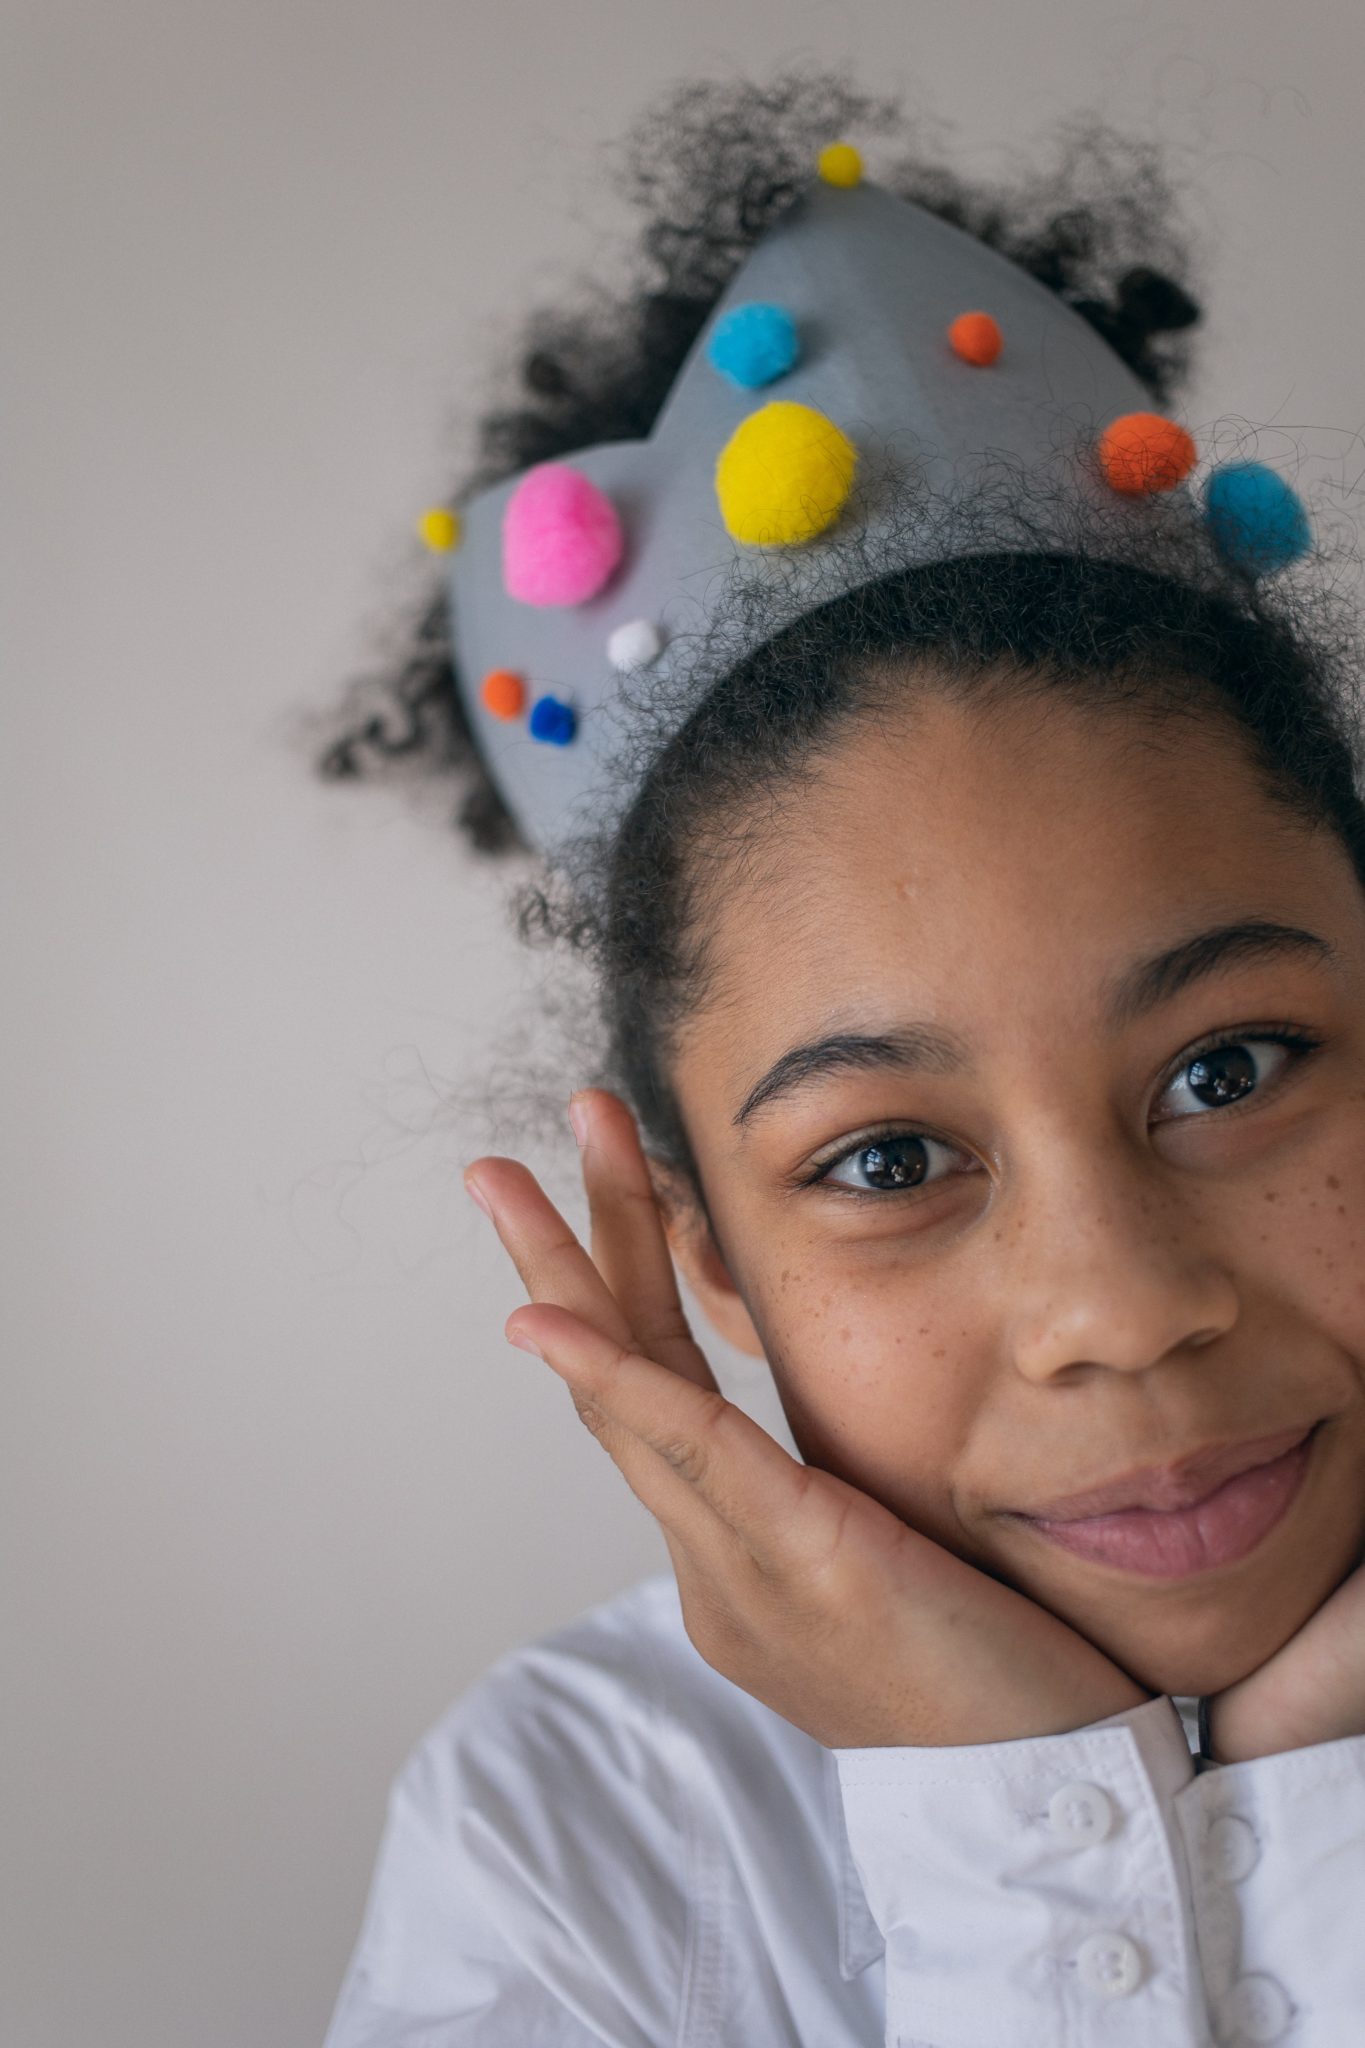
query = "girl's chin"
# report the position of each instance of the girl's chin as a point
(1190, 1652)
(1185, 1676)
(1182, 1638)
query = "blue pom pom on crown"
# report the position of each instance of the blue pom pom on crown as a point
(553, 721)
(1257, 521)
(754, 345)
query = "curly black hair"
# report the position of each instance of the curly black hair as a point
(1169, 633)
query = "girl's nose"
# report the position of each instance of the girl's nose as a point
(1111, 1272)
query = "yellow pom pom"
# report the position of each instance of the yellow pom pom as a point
(840, 164)
(784, 475)
(440, 529)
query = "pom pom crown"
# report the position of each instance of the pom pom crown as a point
(838, 288)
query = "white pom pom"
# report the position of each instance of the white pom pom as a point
(634, 645)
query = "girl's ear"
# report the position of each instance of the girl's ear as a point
(698, 1257)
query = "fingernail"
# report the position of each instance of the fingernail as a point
(476, 1193)
(578, 1121)
(523, 1343)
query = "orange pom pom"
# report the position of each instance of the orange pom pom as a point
(1143, 452)
(503, 693)
(976, 338)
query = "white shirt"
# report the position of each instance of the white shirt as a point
(605, 1841)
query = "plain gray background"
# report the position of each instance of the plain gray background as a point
(274, 1489)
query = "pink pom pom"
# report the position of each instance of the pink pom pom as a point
(561, 537)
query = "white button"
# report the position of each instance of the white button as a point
(1080, 1814)
(1231, 1848)
(1258, 2009)
(1109, 1964)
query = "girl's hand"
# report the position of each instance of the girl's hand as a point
(1312, 1690)
(795, 1586)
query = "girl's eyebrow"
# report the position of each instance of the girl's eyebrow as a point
(1149, 982)
(913, 1048)
(925, 1048)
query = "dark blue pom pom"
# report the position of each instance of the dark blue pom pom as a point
(753, 345)
(553, 721)
(1257, 520)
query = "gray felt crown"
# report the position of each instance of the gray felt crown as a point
(576, 578)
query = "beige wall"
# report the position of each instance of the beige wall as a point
(274, 1489)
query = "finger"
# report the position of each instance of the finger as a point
(692, 1434)
(553, 1265)
(690, 1525)
(629, 1244)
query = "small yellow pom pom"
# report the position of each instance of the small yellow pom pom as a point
(440, 529)
(840, 164)
(784, 475)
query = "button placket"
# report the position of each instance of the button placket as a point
(1218, 1925)
(1108, 1964)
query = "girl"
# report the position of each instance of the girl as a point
(973, 872)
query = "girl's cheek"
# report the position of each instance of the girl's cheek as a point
(1314, 1235)
(875, 1390)
(1300, 1233)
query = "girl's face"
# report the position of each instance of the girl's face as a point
(1029, 1107)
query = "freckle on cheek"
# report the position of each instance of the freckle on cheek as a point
(1332, 1181)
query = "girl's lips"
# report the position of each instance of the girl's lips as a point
(1175, 1542)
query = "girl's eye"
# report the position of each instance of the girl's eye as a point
(1224, 1074)
(889, 1163)
(1217, 1076)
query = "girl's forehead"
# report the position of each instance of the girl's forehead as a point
(961, 864)
(976, 757)
(983, 814)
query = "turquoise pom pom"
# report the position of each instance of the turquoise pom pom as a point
(553, 721)
(753, 345)
(1257, 521)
